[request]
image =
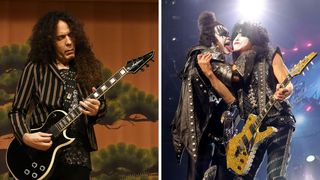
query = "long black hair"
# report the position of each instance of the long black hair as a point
(256, 33)
(259, 39)
(43, 49)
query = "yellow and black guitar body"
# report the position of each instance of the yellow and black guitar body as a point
(242, 147)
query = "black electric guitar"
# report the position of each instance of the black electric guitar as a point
(241, 148)
(27, 163)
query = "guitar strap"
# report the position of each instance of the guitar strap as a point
(262, 84)
(277, 104)
(76, 153)
(70, 98)
(263, 89)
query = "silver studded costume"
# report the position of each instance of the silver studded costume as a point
(196, 126)
(258, 85)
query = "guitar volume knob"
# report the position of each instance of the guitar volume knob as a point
(26, 171)
(34, 164)
(42, 168)
(34, 175)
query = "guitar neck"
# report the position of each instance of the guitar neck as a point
(271, 102)
(67, 120)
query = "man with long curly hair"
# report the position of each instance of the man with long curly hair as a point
(61, 71)
(261, 71)
(204, 96)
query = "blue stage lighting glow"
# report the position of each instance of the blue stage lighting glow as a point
(300, 119)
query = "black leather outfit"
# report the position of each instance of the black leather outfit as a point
(258, 86)
(196, 126)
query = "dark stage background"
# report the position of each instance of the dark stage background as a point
(294, 26)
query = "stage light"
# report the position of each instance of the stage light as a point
(308, 108)
(300, 119)
(295, 49)
(309, 44)
(310, 158)
(251, 10)
(309, 177)
(174, 39)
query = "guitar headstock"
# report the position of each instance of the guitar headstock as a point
(134, 65)
(298, 68)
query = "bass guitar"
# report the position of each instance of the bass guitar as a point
(241, 148)
(26, 163)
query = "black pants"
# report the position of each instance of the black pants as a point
(278, 152)
(206, 159)
(72, 172)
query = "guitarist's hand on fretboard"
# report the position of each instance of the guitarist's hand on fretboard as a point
(282, 93)
(281, 73)
(39, 140)
(90, 106)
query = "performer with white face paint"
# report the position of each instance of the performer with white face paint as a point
(204, 96)
(223, 39)
(241, 43)
(261, 69)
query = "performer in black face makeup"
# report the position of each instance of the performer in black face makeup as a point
(204, 96)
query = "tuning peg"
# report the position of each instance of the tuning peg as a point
(307, 68)
(152, 60)
(147, 65)
(302, 73)
(311, 63)
(141, 69)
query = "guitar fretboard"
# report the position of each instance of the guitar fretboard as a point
(67, 120)
(270, 103)
(296, 70)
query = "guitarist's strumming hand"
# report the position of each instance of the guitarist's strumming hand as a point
(39, 140)
(281, 93)
(90, 106)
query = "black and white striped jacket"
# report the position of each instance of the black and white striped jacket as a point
(40, 91)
